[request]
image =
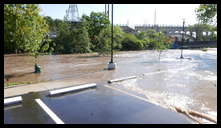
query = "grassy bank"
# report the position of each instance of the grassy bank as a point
(10, 84)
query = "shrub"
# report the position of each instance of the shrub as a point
(131, 42)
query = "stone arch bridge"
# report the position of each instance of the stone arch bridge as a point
(173, 31)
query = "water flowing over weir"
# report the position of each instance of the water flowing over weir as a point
(190, 84)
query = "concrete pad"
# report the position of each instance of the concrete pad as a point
(29, 112)
(106, 106)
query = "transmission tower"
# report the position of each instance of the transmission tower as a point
(155, 20)
(72, 13)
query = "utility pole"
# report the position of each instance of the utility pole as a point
(111, 64)
(112, 35)
(181, 56)
(105, 9)
(108, 11)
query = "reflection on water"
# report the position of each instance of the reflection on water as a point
(188, 83)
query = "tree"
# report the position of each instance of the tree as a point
(200, 28)
(131, 42)
(104, 40)
(9, 28)
(70, 37)
(81, 41)
(95, 23)
(149, 37)
(155, 40)
(63, 36)
(161, 43)
(25, 28)
(207, 13)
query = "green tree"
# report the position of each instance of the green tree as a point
(63, 36)
(95, 23)
(25, 28)
(207, 13)
(162, 43)
(9, 28)
(149, 37)
(70, 37)
(104, 40)
(155, 40)
(200, 28)
(131, 42)
(81, 41)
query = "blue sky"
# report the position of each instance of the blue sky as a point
(132, 14)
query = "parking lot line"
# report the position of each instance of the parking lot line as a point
(69, 89)
(12, 100)
(49, 112)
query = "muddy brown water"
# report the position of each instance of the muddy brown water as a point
(188, 83)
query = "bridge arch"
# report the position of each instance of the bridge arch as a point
(178, 37)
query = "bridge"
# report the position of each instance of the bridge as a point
(170, 30)
(178, 36)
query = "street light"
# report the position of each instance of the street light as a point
(111, 64)
(181, 57)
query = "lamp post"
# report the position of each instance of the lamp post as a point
(181, 57)
(111, 64)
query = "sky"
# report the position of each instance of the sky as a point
(132, 14)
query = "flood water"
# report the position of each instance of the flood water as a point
(187, 83)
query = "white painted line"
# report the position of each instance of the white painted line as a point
(69, 89)
(121, 79)
(56, 119)
(12, 100)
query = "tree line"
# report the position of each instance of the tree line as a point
(26, 31)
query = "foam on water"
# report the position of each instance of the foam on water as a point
(178, 74)
(209, 76)
(171, 98)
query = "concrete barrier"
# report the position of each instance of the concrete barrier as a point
(121, 79)
(70, 89)
(12, 100)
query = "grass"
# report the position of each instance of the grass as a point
(17, 83)
(204, 49)
(11, 84)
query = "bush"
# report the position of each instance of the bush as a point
(104, 40)
(131, 42)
